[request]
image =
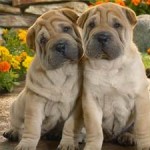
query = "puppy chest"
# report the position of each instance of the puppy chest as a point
(60, 109)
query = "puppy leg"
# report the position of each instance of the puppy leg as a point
(92, 115)
(72, 129)
(16, 119)
(142, 120)
(34, 115)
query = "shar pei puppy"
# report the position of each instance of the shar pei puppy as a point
(53, 79)
(115, 87)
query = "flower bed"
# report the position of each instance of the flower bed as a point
(139, 6)
(15, 58)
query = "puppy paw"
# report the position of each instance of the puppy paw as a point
(67, 146)
(25, 146)
(126, 139)
(11, 135)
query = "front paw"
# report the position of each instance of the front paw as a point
(25, 146)
(11, 135)
(126, 139)
(68, 146)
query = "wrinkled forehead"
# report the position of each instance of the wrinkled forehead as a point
(104, 12)
(50, 20)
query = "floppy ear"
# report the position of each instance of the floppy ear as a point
(130, 14)
(31, 38)
(72, 15)
(81, 20)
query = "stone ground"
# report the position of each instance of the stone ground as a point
(5, 102)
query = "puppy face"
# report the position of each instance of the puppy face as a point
(56, 38)
(107, 30)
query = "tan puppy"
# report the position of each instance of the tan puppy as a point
(115, 88)
(53, 80)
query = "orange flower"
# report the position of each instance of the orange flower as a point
(4, 66)
(23, 55)
(98, 3)
(120, 2)
(18, 58)
(136, 2)
(148, 2)
(148, 51)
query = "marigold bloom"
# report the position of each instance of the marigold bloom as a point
(120, 2)
(4, 66)
(8, 57)
(22, 35)
(18, 58)
(98, 3)
(148, 2)
(4, 51)
(136, 2)
(23, 54)
(148, 51)
(15, 64)
(26, 63)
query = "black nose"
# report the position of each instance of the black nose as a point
(61, 47)
(103, 37)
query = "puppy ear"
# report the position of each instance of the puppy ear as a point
(81, 20)
(31, 38)
(130, 14)
(72, 15)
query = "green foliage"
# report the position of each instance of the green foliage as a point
(13, 43)
(146, 60)
(7, 81)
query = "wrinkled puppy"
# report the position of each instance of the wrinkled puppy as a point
(115, 87)
(53, 80)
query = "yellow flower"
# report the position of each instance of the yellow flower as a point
(22, 35)
(3, 51)
(15, 64)
(26, 63)
(8, 57)
(5, 31)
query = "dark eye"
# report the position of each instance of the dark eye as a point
(43, 40)
(66, 29)
(91, 24)
(117, 25)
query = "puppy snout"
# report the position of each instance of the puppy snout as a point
(103, 37)
(61, 47)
